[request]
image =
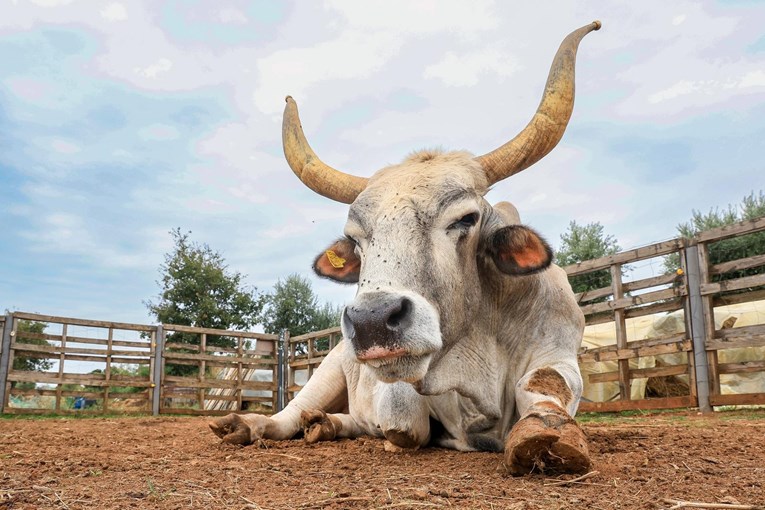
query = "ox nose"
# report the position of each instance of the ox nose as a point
(375, 323)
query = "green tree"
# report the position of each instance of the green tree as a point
(586, 242)
(293, 306)
(751, 207)
(198, 289)
(30, 332)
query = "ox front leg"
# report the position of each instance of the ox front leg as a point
(402, 415)
(547, 438)
(326, 392)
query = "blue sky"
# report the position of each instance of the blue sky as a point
(121, 120)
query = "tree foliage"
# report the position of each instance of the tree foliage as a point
(751, 207)
(586, 242)
(198, 289)
(292, 305)
(28, 332)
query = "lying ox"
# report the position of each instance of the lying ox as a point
(462, 333)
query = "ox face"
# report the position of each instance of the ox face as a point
(413, 242)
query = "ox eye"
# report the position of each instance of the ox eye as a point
(465, 222)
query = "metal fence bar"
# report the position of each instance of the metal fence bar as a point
(5, 359)
(698, 328)
(156, 376)
(281, 369)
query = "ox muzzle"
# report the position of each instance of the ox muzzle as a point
(393, 332)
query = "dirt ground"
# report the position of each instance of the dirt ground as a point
(173, 462)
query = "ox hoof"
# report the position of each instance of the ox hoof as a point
(232, 429)
(551, 443)
(319, 426)
(400, 440)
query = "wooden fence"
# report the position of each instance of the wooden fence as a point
(689, 350)
(88, 366)
(659, 340)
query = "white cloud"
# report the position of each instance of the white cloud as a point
(51, 3)
(754, 78)
(678, 19)
(232, 16)
(710, 90)
(465, 70)
(418, 16)
(161, 66)
(114, 12)
(352, 55)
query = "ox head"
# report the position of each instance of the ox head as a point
(425, 248)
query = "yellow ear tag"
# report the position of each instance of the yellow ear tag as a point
(334, 259)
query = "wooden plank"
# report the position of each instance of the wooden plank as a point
(188, 382)
(631, 405)
(636, 344)
(219, 332)
(583, 297)
(140, 395)
(654, 281)
(666, 306)
(315, 334)
(739, 297)
(644, 252)
(628, 354)
(219, 359)
(645, 283)
(641, 299)
(205, 412)
(264, 347)
(754, 331)
(736, 343)
(614, 353)
(81, 340)
(730, 285)
(54, 349)
(640, 373)
(741, 399)
(621, 333)
(82, 322)
(728, 231)
(742, 367)
(738, 265)
(708, 315)
(305, 363)
(213, 349)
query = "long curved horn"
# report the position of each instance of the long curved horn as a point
(549, 122)
(321, 178)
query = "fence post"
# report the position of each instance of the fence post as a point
(698, 329)
(156, 376)
(5, 359)
(282, 362)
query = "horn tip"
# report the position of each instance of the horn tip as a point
(597, 24)
(289, 98)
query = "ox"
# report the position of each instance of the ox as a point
(462, 333)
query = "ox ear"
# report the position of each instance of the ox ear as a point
(339, 262)
(518, 250)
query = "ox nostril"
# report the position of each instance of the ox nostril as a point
(348, 328)
(399, 314)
